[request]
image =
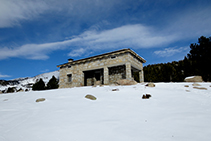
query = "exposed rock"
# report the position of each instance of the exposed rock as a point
(144, 97)
(195, 84)
(26, 90)
(194, 79)
(8, 82)
(147, 96)
(115, 89)
(186, 86)
(0, 92)
(20, 90)
(29, 85)
(3, 82)
(40, 99)
(97, 83)
(126, 82)
(150, 85)
(200, 88)
(91, 97)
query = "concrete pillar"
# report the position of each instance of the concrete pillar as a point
(105, 75)
(128, 71)
(141, 76)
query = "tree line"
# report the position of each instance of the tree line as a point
(40, 85)
(195, 63)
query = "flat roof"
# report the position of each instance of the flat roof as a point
(104, 55)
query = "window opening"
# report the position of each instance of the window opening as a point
(69, 77)
(113, 57)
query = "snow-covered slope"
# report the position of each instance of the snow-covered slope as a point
(176, 111)
(26, 83)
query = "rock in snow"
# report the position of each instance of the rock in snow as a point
(194, 79)
(91, 97)
(126, 82)
(150, 85)
(40, 99)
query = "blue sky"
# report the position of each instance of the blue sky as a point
(38, 35)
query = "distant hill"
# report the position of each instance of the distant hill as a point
(27, 82)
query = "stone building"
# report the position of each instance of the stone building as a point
(105, 69)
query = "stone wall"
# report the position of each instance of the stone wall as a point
(77, 70)
(116, 73)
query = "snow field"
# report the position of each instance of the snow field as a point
(174, 112)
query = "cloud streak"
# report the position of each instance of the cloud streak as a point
(185, 25)
(12, 12)
(167, 52)
(4, 76)
(133, 36)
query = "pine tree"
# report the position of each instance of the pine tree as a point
(53, 83)
(200, 57)
(40, 85)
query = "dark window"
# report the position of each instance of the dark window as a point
(113, 56)
(69, 77)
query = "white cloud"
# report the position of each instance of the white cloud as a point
(77, 52)
(133, 36)
(4, 76)
(167, 52)
(46, 70)
(14, 11)
(126, 36)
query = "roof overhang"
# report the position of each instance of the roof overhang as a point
(122, 51)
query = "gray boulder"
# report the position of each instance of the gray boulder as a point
(200, 88)
(150, 85)
(126, 82)
(91, 97)
(40, 99)
(193, 79)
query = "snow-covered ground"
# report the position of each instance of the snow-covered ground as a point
(26, 83)
(174, 112)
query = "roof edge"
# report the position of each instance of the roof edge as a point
(105, 54)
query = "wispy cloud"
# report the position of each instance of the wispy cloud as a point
(4, 76)
(134, 36)
(13, 11)
(167, 52)
(77, 52)
(183, 26)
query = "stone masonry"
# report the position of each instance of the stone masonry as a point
(105, 68)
